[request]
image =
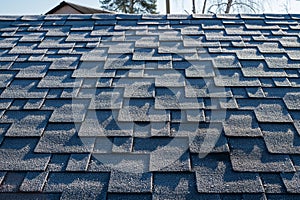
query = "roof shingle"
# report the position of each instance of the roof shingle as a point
(149, 106)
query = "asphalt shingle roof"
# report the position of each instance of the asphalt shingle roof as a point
(150, 107)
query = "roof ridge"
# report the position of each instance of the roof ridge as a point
(80, 8)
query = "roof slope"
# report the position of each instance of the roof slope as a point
(79, 8)
(149, 107)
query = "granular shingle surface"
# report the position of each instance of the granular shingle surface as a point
(115, 106)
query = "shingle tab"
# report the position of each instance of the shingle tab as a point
(181, 186)
(171, 151)
(150, 54)
(6, 78)
(215, 175)
(57, 79)
(260, 69)
(272, 183)
(61, 138)
(234, 77)
(107, 99)
(20, 156)
(78, 162)
(272, 113)
(34, 182)
(127, 163)
(141, 110)
(64, 63)
(124, 182)
(78, 185)
(122, 144)
(12, 182)
(242, 124)
(101, 123)
(292, 101)
(250, 155)
(173, 98)
(281, 138)
(26, 123)
(291, 182)
(208, 139)
(66, 111)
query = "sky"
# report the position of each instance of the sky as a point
(22, 7)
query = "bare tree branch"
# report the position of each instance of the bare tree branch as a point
(228, 6)
(233, 6)
(244, 4)
(217, 5)
(204, 6)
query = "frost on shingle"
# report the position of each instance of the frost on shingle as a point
(27, 48)
(34, 182)
(242, 124)
(124, 182)
(139, 90)
(78, 185)
(24, 88)
(202, 69)
(104, 123)
(30, 70)
(92, 70)
(292, 101)
(233, 78)
(57, 79)
(6, 78)
(78, 162)
(267, 112)
(291, 181)
(281, 138)
(26, 123)
(174, 98)
(226, 61)
(251, 155)
(63, 138)
(105, 99)
(67, 111)
(176, 185)
(109, 106)
(122, 61)
(260, 69)
(150, 54)
(20, 156)
(122, 162)
(208, 139)
(214, 174)
(165, 154)
(141, 110)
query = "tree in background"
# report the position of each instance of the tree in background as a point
(130, 6)
(232, 6)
